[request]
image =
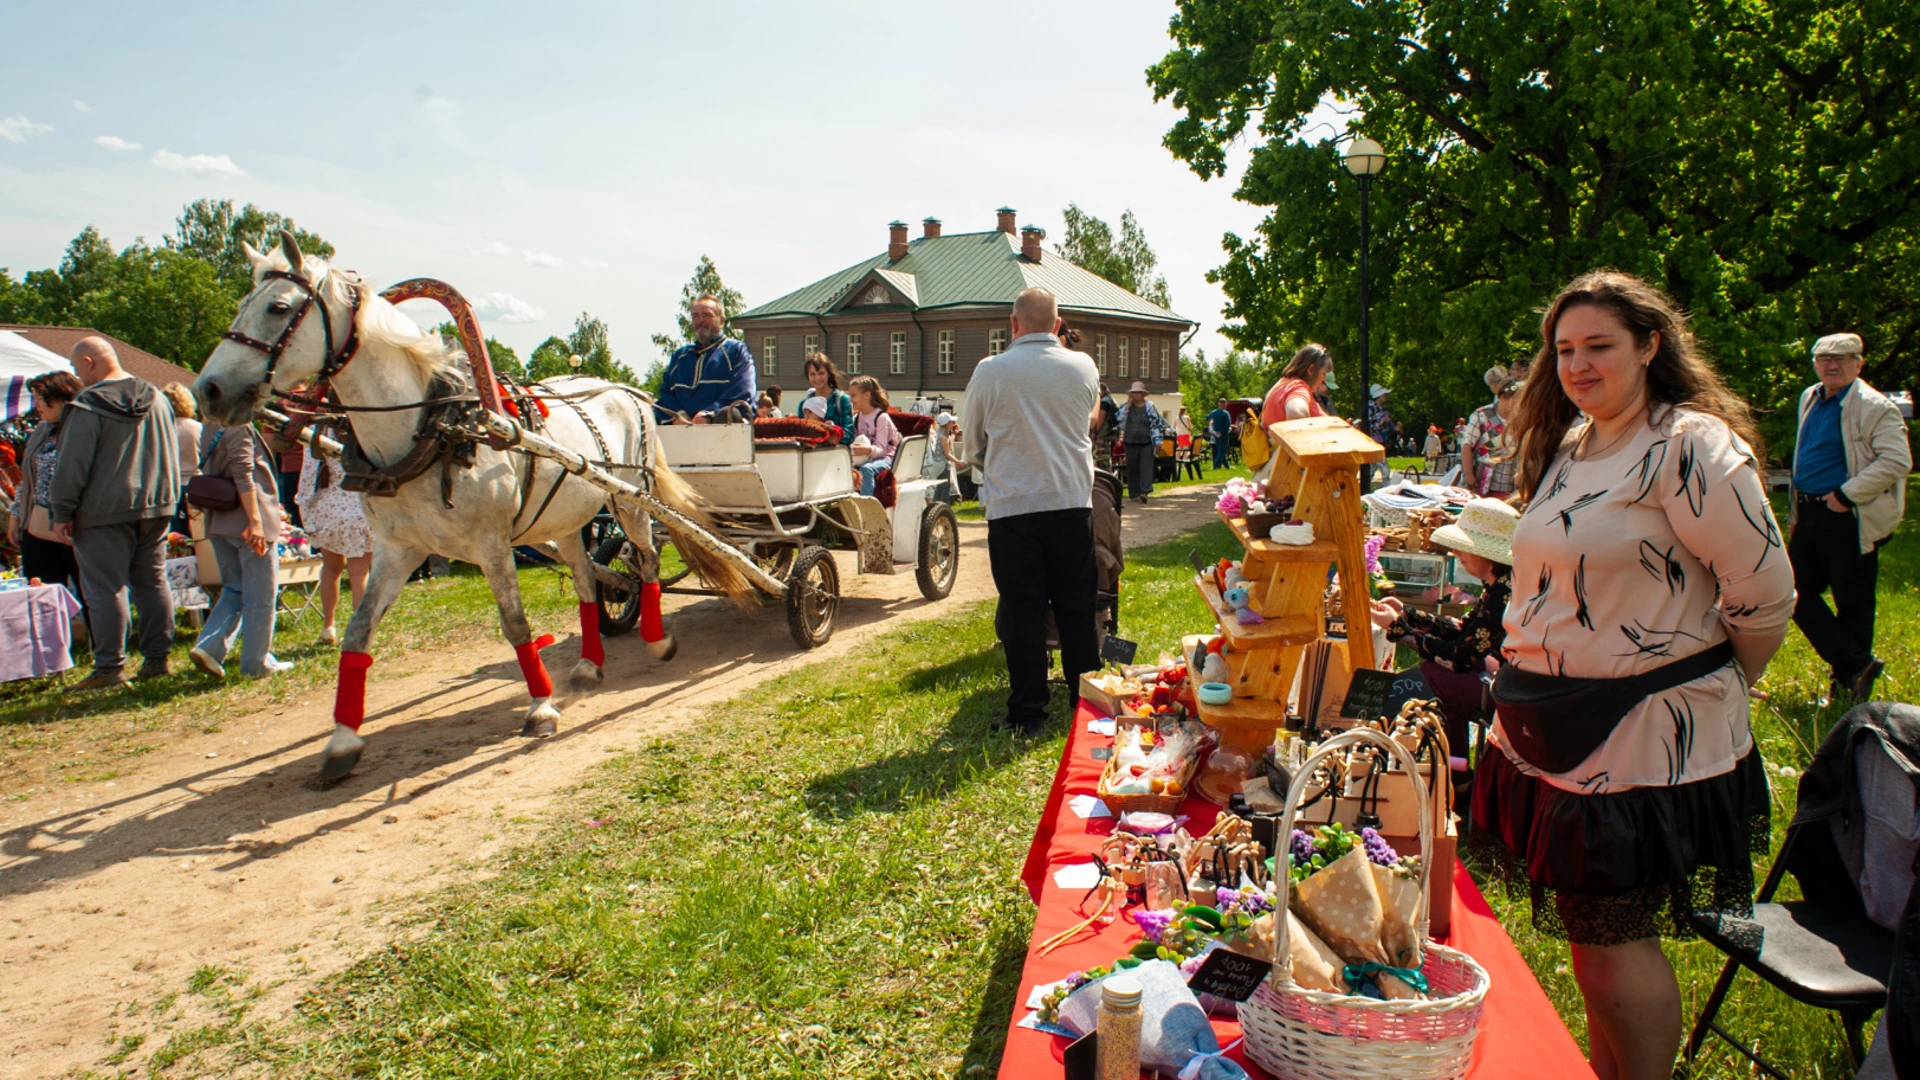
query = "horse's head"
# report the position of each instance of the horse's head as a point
(297, 323)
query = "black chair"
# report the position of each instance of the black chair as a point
(1823, 953)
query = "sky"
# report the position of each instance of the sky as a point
(554, 158)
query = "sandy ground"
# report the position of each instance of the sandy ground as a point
(220, 852)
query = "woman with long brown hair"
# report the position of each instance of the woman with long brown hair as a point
(1650, 589)
(1295, 394)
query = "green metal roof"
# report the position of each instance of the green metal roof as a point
(969, 269)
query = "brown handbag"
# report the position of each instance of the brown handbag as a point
(206, 492)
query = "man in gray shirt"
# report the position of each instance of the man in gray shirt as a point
(1026, 423)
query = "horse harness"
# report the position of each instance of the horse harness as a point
(335, 359)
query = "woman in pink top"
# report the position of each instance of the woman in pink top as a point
(870, 420)
(1308, 373)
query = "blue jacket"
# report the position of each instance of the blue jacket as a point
(709, 380)
(839, 411)
(1157, 427)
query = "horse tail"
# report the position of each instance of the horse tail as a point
(717, 570)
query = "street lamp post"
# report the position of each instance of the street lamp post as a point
(574, 361)
(1364, 158)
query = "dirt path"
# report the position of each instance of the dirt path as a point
(219, 852)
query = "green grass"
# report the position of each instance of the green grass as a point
(51, 736)
(819, 879)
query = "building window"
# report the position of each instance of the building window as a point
(897, 353)
(996, 342)
(854, 351)
(1100, 353)
(946, 352)
(1123, 356)
(813, 344)
(769, 356)
(1166, 359)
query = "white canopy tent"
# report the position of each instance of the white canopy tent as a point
(20, 361)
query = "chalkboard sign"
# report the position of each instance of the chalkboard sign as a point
(1082, 1058)
(1374, 694)
(1228, 974)
(1118, 650)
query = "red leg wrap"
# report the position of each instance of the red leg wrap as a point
(590, 649)
(650, 628)
(539, 684)
(350, 694)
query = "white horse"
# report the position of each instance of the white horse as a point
(375, 358)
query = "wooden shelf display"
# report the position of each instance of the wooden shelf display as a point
(1317, 461)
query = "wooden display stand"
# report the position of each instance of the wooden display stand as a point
(1317, 462)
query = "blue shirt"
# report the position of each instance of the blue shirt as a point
(1819, 457)
(1219, 421)
(707, 379)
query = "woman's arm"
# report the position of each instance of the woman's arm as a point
(240, 465)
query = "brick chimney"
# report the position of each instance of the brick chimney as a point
(896, 240)
(930, 228)
(1030, 238)
(1006, 219)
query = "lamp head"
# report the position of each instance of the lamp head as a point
(1364, 157)
(574, 361)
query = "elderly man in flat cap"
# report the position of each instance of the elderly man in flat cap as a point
(1850, 465)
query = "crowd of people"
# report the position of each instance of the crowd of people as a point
(114, 468)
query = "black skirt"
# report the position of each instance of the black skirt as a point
(1613, 868)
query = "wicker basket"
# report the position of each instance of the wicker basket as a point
(1313, 1035)
(1157, 804)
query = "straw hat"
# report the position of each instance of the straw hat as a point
(1138, 387)
(1494, 376)
(1485, 528)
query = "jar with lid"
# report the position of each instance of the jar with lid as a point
(1119, 1028)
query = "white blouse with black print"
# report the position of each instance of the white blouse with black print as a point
(1635, 559)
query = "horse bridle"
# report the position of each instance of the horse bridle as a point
(336, 359)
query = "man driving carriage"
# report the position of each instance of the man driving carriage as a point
(711, 374)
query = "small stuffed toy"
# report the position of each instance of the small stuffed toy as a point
(1241, 602)
(1214, 668)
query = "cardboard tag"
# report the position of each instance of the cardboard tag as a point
(1082, 1057)
(1118, 650)
(1228, 974)
(1376, 694)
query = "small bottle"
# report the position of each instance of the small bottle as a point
(1119, 1028)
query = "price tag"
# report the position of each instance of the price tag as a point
(1118, 650)
(1082, 1057)
(1228, 974)
(1375, 694)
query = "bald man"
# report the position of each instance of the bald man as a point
(1027, 417)
(116, 484)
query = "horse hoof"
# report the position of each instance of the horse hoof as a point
(542, 720)
(586, 676)
(342, 753)
(664, 649)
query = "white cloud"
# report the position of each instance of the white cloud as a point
(593, 264)
(16, 128)
(115, 142)
(543, 259)
(508, 308)
(81, 105)
(202, 164)
(496, 249)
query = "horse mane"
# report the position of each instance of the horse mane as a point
(382, 326)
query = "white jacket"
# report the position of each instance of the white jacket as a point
(1874, 435)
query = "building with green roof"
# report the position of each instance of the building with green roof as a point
(919, 315)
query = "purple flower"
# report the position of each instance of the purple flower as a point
(1192, 964)
(1372, 546)
(1300, 846)
(1379, 851)
(1153, 923)
(1250, 900)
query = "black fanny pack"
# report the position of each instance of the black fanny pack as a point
(1555, 721)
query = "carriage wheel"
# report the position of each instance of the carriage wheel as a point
(813, 597)
(939, 551)
(619, 608)
(674, 570)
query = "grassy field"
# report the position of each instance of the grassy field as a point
(819, 880)
(49, 735)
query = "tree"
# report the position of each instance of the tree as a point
(1760, 163)
(1238, 374)
(588, 341)
(213, 231)
(705, 282)
(505, 361)
(18, 302)
(1129, 263)
(162, 301)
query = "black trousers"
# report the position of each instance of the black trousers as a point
(1043, 561)
(49, 560)
(1825, 552)
(1140, 457)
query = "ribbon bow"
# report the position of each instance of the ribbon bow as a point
(1191, 1070)
(1356, 974)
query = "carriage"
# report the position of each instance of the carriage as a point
(786, 505)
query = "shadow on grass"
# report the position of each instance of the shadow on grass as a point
(989, 1037)
(966, 749)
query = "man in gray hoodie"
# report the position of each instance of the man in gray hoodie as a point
(116, 484)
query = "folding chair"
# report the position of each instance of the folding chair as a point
(1821, 953)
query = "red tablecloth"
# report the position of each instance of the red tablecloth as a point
(1520, 1034)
